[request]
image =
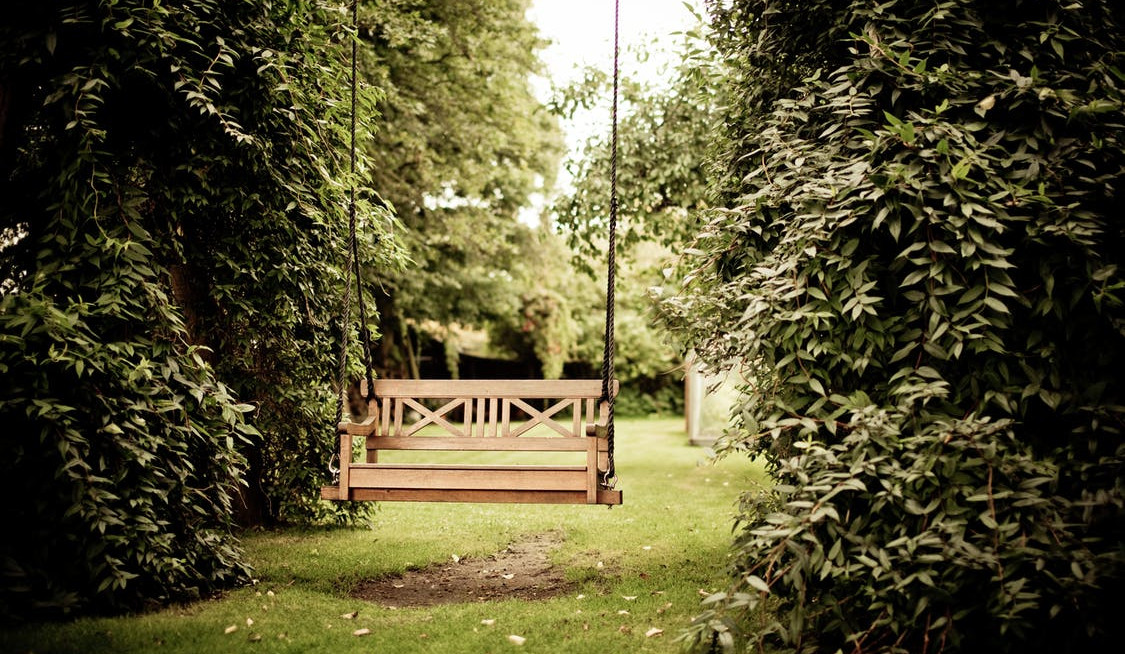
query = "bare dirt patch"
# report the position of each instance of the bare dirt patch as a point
(520, 571)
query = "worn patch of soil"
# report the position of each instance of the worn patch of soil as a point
(520, 571)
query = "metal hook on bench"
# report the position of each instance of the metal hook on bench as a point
(609, 481)
(333, 469)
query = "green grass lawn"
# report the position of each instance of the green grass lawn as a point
(666, 543)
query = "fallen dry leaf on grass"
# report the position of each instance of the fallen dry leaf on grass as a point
(653, 632)
(231, 629)
(249, 622)
(488, 622)
(350, 616)
(516, 640)
(361, 632)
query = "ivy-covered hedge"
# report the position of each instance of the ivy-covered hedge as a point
(171, 238)
(119, 461)
(919, 263)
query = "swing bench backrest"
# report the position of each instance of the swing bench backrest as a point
(477, 415)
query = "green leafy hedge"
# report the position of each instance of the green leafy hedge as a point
(119, 458)
(172, 229)
(918, 262)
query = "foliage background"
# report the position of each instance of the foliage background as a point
(173, 233)
(915, 259)
(665, 133)
(465, 145)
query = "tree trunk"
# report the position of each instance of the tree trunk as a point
(390, 356)
(251, 507)
(4, 100)
(187, 295)
(411, 356)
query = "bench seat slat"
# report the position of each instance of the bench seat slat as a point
(609, 497)
(550, 478)
(497, 444)
(474, 467)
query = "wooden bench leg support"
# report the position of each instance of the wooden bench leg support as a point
(345, 464)
(591, 470)
(373, 411)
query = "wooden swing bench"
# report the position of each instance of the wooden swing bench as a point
(574, 413)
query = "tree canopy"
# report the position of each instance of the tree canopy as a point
(464, 146)
(665, 133)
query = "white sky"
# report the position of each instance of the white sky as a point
(581, 31)
(581, 34)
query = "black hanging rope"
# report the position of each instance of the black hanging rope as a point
(364, 332)
(345, 333)
(611, 282)
(352, 266)
(610, 291)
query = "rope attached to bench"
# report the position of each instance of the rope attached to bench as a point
(610, 476)
(353, 266)
(353, 251)
(364, 332)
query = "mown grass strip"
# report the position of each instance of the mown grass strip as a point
(636, 567)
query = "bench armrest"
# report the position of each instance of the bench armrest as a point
(365, 428)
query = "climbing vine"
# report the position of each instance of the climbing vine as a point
(916, 264)
(171, 244)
